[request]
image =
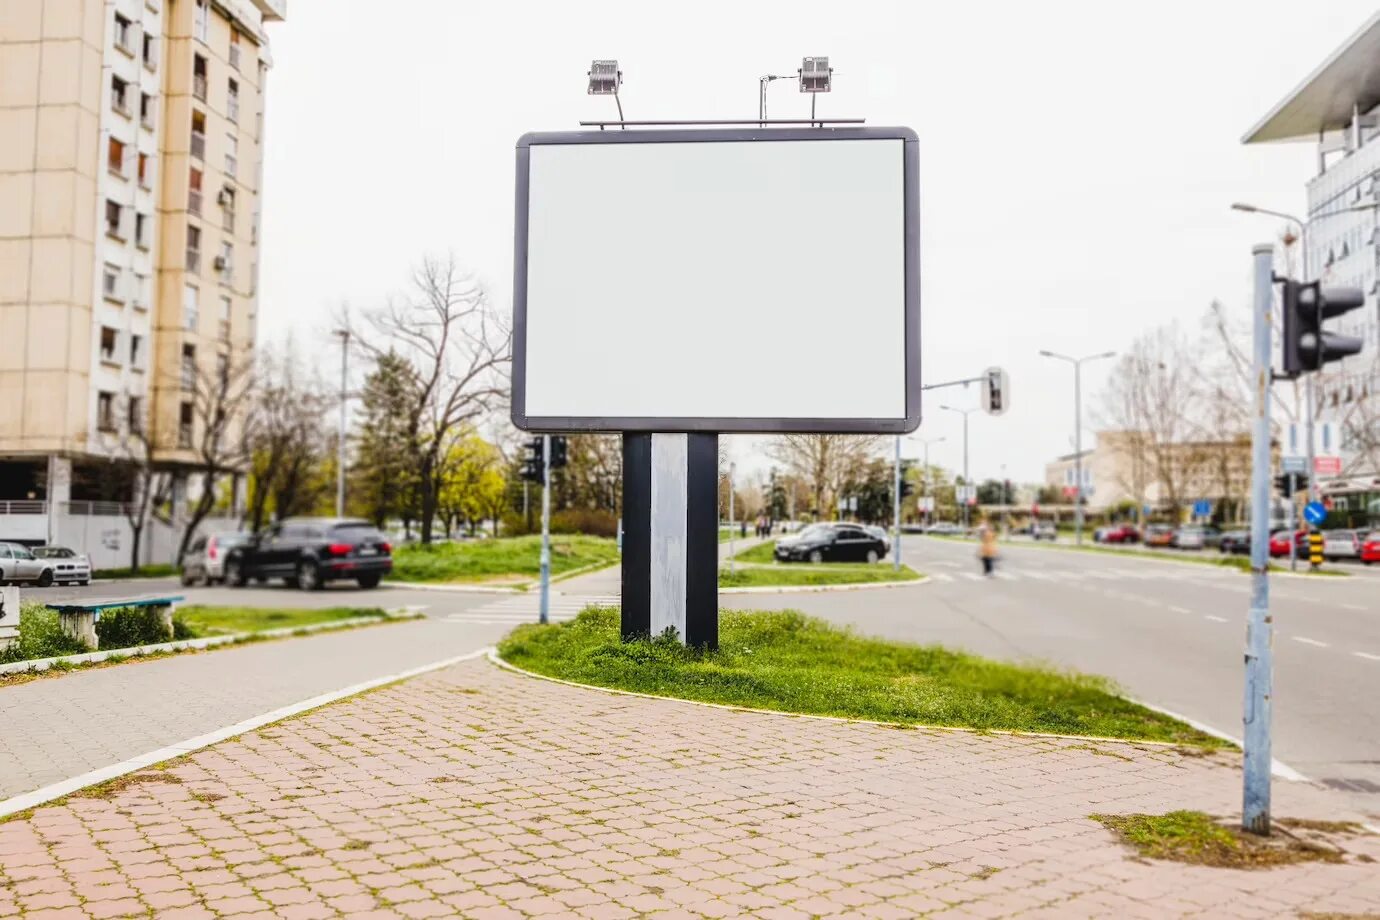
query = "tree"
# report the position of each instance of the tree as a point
(457, 349)
(130, 474)
(221, 430)
(289, 444)
(383, 482)
(824, 462)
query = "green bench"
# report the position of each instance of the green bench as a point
(79, 620)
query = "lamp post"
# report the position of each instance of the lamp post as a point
(929, 483)
(1078, 432)
(966, 483)
(344, 336)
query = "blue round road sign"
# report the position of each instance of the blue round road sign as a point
(1314, 512)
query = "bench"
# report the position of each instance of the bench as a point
(79, 620)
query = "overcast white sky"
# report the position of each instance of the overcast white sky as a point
(1077, 158)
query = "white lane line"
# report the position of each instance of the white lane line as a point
(1367, 655)
(1179, 609)
(940, 576)
(1353, 606)
(1307, 641)
(1215, 619)
(971, 576)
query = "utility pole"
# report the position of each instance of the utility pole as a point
(545, 527)
(344, 336)
(1255, 816)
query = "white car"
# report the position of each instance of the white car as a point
(204, 562)
(69, 566)
(18, 563)
(1342, 544)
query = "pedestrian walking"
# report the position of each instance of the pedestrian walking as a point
(987, 548)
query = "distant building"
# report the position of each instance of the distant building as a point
(129, 226)
(1127, 469)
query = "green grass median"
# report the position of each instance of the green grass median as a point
(786, 661)
(507, 560)
(803, 574)
(200, 621)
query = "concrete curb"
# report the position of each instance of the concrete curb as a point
(493, 657)
(820, 589)
(39, 665)
(66, 787)
(452, 588)
(1281, 770)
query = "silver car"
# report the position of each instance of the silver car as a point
(205, 559)
(1341, 544)
(18, 564)
(69, 566)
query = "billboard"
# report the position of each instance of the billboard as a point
(747, 280)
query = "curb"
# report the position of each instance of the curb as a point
(820, 589)
(39, 665)
(493, 656)
(56, 790)
(452, 588)
(1281, 770)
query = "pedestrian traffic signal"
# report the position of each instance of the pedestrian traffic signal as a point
(532, 462)
(1307, 346)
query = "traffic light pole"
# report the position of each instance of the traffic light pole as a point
(1293, 542)
(545, 527)
(1255, 816)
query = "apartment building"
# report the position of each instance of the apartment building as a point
(130, 184)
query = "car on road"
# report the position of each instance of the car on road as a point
(69, 566)
(1159, 535)
(204, 562)
(1120, 533)
(19, 564)
(880, 533)
(309, 552)
(1236, 542)
(1279, 543)
(1044, 531)
(1370, 548)
(1341, 544)
(831, 543)
(1196, 536)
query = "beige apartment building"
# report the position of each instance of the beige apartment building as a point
(131, 142)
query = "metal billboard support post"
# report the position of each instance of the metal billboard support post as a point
(1255, 816)
(896, 508)
(545, 527)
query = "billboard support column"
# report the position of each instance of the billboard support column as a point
(670, 542)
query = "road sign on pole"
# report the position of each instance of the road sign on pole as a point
(1314, 513)
(1296, 465)
(1202, 508)
(1327, 466)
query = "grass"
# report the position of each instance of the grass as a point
(786, 661)
(798, 574)
(155, 570)
(508, 560)
(762, 552)
(221, 621)
(1198, 838)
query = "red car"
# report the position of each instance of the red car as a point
(1121, 533)
(1279, 543)
(1370, 548)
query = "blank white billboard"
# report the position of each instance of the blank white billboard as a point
(717, 281)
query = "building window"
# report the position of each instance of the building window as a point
(135, 415)
(202, 15)
(114, 219)
(234, 47)
(184, 425)
(225, 304)
(142, 230)
(141, 292)
(119, 95)
(191, 309)
(227, 208)
(145, 171)
(146, 110)
(232, 101)
(150, 53)
(194, 191)
(193, 248)
(188, 367)
(110, 341)
(232, 155)
(199, 135)
(199, 77)
(115, 157)
(225, 263)
(124, 35)
(110, 283)
(105, 411)
(136, 346)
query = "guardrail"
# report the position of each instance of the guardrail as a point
(23, 506)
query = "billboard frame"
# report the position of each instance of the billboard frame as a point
(743, 425)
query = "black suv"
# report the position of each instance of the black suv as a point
(831, 543)
(309, 552)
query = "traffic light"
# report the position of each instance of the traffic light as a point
(994, 391)
(559, 454)
(1282, 483)
(532, 462)
(907, 487)
(1307, 346)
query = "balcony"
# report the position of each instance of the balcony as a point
(194, 202)
(199, 86)
(119, 101)
(199, 145)
(235, 56)
(194, 261)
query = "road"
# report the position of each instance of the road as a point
(1171, 634)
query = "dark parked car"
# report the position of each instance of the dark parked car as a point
(1237, 542)
(831, 543)
(309, 552)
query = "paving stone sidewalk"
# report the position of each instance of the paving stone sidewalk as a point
(476, 792)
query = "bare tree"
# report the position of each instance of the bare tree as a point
(826, 462)
(1360, 419)
(288, 440)
(221, 431)
(130, 470)
(460, 350)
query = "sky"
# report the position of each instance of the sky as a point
(1077, 160)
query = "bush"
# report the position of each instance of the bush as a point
(594, 523)
(130, 626)
(40, 636)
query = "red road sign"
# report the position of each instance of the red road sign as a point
(1327, 466)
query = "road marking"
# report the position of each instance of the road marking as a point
(1180, 609)
(1367, 655)
(1353, 606)
(940, 576)
(972, 576)
(1215, 619)
(1307, 641)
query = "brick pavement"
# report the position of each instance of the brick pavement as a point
(476, 792)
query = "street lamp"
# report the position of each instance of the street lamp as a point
(344, 336)
(929, 484)
(1078, 432)
(966, 484)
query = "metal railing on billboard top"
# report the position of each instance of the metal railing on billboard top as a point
(23, 506)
